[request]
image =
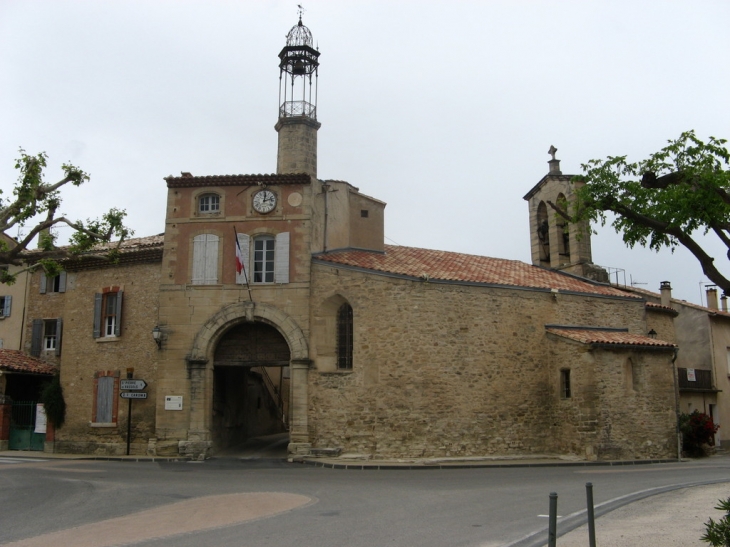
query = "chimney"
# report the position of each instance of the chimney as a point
(723, 302)
(712, 298)
(666, 289)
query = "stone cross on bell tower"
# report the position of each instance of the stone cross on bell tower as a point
(298, 125)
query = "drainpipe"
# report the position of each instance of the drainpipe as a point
(677, 410)
(325, 189)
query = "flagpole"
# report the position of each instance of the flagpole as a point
(243, 266)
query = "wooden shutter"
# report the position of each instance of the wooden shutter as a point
(211, 260)
(43, 282)
(36, 338)
(118, 313)
(199, 244)
(98, 298)
(281, 258)
(104, 399)
(6, 306)
(59, 333)
(245, 243)
(62, 282)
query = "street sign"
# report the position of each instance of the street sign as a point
(134, 385)
(133, 395)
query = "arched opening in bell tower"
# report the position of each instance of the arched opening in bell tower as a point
(543, 234)
(251, 385)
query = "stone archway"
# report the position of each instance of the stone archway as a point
(200, 370)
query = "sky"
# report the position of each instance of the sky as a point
(445, 110)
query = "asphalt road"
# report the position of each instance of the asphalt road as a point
(269, 503)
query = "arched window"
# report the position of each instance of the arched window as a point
(543, 232)
(209, 203)
(564, 230)
(344, 337)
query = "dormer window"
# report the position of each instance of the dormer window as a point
(209, 203)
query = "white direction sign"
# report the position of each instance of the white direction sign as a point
(134, 385)
(133, 395)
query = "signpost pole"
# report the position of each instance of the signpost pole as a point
(130, 374)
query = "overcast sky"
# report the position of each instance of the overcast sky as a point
(444, 110)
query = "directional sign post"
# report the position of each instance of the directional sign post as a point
(132, 385)
(133, 395)
(133, 391)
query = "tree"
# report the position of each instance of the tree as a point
(36, 202)
(667, 200)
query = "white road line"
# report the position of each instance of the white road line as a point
(20, 460)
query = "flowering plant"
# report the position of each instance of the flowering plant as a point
(697, 430)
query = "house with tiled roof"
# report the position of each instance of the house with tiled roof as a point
(271, 305)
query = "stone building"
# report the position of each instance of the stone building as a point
(279, 308)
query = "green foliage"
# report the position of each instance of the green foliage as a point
(53, 402)
(697, 430)
(717, 533)
(665, 200)
(36, 202)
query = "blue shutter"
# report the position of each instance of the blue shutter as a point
(97, 314)
(43, 282)
(118, 313)
(59, 332)
(6, 306)
(36, 338)
(62, 282)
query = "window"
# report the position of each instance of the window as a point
(108, 313)
(270, 260)
(46, 336)
(209, 203)
(344, 337)
(565, 384)
(106, 397)
(205, 259)
(5, 303)
(57, 283)
(263, 259)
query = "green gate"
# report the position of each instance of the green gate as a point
(22, 427)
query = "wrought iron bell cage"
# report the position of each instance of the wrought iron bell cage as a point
(298, 67)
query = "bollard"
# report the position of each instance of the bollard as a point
(553, 520)
(591, 516)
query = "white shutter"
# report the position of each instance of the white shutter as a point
(199, 259)
(211, 260)
(281, 258)
(244, 241)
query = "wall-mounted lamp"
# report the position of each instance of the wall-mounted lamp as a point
(157, 336)
(652, 333)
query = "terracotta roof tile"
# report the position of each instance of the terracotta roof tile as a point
(447, 266)
(12, 360)
(609, 337)
(236, 180)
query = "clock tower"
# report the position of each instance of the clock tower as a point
(298, 125)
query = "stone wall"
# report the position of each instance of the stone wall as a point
(453, 370)
(83, 356)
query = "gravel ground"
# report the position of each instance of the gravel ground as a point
(674, 519)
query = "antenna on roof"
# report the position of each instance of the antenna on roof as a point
(634, 283)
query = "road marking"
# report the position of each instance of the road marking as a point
(19, 460)
(548, 516)
(184, 517)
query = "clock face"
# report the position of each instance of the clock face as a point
(264, 201)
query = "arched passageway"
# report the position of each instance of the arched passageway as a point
(251, 385)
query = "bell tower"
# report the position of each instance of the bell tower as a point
(555, 242)
(298, 125)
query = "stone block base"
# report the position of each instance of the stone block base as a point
(197, 450)
(4, 445)
(297, 450)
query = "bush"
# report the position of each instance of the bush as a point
(717, 533)
(697, 430)
(53, 402)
